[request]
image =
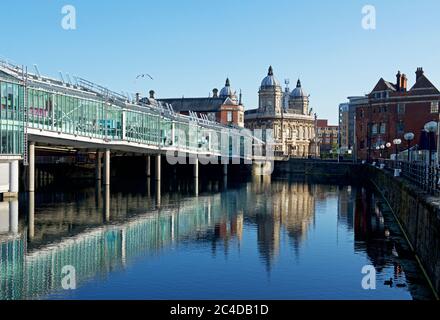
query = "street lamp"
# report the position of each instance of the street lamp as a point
(396, 143)
(388, 146)
(377, 149)
(409, 137)
(431, 127)
(382, 147)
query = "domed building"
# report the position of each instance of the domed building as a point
(223, 106)
(288, 115)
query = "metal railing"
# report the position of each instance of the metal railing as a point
(418, 173)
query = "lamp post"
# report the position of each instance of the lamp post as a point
(388, 146)
(409, 137)
(382, 147)
(396, 143)
(378, 150)
(431, 127)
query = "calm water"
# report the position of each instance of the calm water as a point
(261, 239)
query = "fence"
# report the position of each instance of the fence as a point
(418, 173)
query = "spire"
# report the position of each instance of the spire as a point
(270, 73)
(298, 84)
(227, 83)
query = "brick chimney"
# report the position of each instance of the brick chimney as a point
(151, 94)
(403, 83)
(215, 93)
(419, 73)
(398, 80)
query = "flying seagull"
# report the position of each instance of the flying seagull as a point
(144, 75)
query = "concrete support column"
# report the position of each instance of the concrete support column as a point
(196, 169)
(107, 167)
(98, 166)
(13, 177)
(148, 169)
(31, 176)
(225, 169)
(158, 167)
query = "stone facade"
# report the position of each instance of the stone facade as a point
(287, 114)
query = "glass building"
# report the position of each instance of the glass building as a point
(11, 116)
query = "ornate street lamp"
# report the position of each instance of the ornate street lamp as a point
(388, 146)
(408, 138)
(431, 127)
(396, 143)
(382, 147)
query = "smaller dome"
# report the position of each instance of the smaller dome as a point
(270, 80)
(227, 90)
(298, 92)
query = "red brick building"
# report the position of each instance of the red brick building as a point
(391, 110)
(327, 135)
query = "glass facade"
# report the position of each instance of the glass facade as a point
(11, 118)
(68, 112)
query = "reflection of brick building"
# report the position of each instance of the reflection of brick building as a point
(328, 135)
(224, 107)
(391, 110)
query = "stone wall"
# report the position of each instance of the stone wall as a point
(418, 214)
(329, 169)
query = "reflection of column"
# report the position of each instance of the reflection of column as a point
(31, 215)
(107, 204)
(107, 167)
(13, 177)
(123, 247)
(98, 166)
(158, 195)
(31, 182)
(13, 216)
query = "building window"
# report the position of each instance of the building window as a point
(434, 107)
(229, 116)
(401, 108)
(400, 127)
(374, 129)
(383, 128)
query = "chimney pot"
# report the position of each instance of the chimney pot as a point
(419, 73)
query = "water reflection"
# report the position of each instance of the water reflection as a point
(101, 231)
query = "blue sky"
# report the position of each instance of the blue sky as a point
(191, 46)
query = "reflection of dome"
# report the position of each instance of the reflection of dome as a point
(270, 80)
(227, 90)
(298, 92)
